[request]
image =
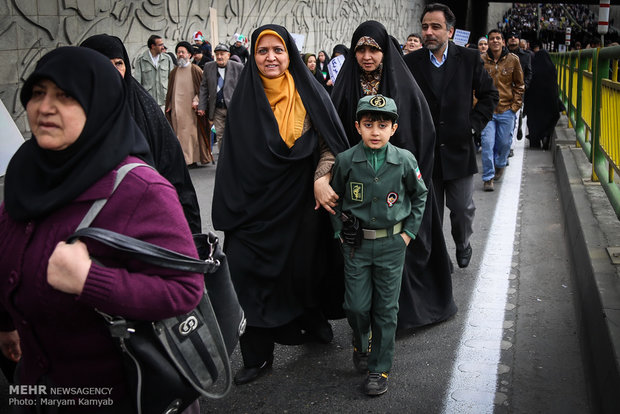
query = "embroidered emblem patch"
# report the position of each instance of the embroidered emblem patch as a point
(391, 198)
(418, 173)
(378, 101)
(357, 191)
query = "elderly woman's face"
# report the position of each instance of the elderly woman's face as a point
(369, 58)
(120, 65)
(56, 119)
(271, 56)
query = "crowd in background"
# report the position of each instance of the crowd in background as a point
(548, 23)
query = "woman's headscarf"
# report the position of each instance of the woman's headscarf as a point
(38, 181)
(166, 151)
(318, 75)
(322, 66)
(339, 48)
(307, 57)
(415, 125)
(254, 157)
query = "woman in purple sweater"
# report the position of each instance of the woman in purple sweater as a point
(49, 290)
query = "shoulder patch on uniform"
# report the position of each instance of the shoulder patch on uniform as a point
(357, 191)
(418, 174)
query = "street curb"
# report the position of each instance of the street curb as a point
(596, 279)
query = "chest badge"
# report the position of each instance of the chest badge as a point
(357, 191)
(391, 198)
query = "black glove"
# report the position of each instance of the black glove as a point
(351, 232)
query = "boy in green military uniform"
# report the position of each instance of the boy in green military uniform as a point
(382, 199)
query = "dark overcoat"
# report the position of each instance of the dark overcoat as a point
(453, 111)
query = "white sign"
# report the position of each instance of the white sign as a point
(299, 40)
(333, 67)
(11, 138)
(461, 37)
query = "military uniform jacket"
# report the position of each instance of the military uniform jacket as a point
(396, 192)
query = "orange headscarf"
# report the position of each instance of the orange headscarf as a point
(284, 99)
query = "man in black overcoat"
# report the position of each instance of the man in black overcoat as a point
(449, 76)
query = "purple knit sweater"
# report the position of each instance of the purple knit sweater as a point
(62, 337)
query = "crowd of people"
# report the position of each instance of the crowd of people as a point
(547, 22)
(331, 183)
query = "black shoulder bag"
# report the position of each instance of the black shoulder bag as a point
(172, 362)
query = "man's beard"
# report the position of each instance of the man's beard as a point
(182, 62)
(435, 46)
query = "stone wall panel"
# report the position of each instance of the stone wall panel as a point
(30, 28)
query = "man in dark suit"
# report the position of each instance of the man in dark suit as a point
(449, 76)
(219, 80)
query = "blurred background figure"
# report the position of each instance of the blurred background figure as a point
(181, 105)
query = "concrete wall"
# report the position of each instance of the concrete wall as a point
(30, 28)
(496, 14)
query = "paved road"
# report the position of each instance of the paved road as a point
(512, 348)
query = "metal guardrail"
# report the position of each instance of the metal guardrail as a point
(590, 91)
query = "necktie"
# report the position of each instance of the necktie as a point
(220, 90)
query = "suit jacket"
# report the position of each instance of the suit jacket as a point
(208, 87)
(454, 114)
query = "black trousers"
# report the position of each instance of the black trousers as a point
(257, 343)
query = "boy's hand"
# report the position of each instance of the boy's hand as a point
(406, 238)
(324, 195)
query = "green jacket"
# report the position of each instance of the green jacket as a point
(396, 192)
(154, 79)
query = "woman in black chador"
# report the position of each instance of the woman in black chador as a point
(165, 148)
(426, 292)
(281, 135)
(542, 103)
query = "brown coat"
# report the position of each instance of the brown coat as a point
(201, 124)
(508, 78)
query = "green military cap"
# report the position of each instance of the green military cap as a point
(377, 103)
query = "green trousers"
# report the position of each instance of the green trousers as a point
(373, 276)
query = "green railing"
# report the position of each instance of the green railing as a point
(590, 91)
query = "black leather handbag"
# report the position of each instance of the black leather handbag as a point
(172, 362)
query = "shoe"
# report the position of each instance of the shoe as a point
(246, 375)
(545, 142)
(488, 185)
(511, 153)
(360, 361)
(376, 383)
(499, 173)
(317, 326)
(463, 257)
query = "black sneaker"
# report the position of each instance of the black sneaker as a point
(360, 361)
(376, 383)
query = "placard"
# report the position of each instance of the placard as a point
(299, 41)
(461, 37)
(11, 138)
(333, 67)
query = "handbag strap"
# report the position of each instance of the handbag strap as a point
(98, 205)
(147, 252)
